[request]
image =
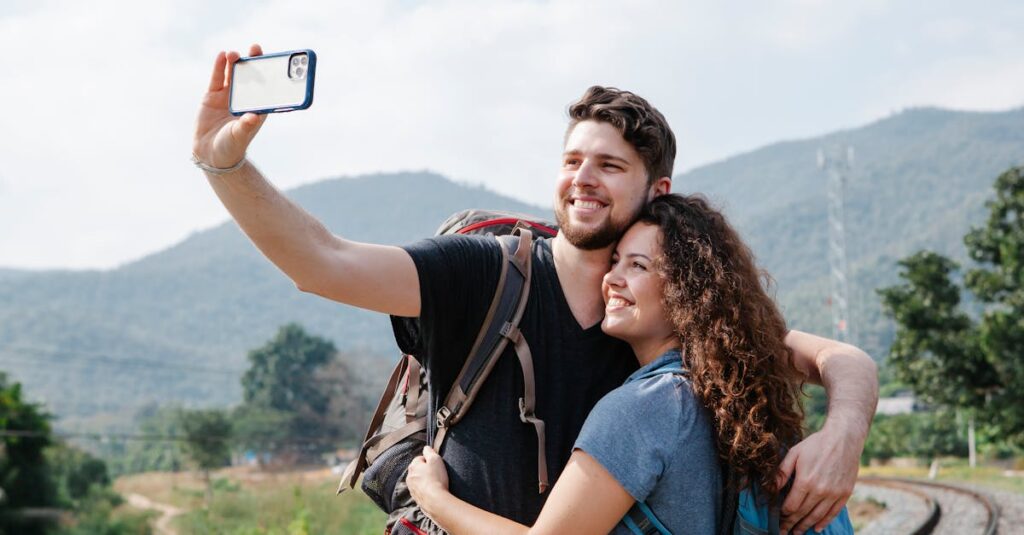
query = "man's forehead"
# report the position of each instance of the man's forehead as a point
(594, 138)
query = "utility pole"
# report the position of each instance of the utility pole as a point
(836, 164)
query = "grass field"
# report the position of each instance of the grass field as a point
(954, 471)
(249, 502)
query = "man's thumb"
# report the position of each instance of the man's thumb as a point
(786, 469)
(429, 453)
(251, 123)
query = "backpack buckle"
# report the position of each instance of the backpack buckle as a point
(443, 415)
(507, 330)
(524, 415)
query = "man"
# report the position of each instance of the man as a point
(618, 155)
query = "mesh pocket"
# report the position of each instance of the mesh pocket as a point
(387, 470)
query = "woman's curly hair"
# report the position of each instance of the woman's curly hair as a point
(732, 336)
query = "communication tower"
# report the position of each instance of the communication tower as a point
(837, 163)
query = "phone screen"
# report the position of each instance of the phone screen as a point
(273, 83)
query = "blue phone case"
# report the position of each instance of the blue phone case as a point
(271, 83)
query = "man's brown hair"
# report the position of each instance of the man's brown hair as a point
(641, 125)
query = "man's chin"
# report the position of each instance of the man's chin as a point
(590, 239)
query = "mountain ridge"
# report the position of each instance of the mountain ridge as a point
(920, 180)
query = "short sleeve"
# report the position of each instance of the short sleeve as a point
(457, 276)
(635, 430)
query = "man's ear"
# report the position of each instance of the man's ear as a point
(660, 187)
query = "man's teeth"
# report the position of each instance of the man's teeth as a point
(587, 204)
(618, 302)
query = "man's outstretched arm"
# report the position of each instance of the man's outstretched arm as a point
(374, 277)
(826, 462)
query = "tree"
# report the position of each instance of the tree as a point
(939, 351)
(287, 398)
(207, 441)
(24, 474)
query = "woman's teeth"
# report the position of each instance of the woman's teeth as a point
(618, 302)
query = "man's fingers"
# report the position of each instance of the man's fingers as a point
(217, 77)
(830, 516)
(230, 59)
(255, 50)
(816, 515)
(793, 509)
(786, 468)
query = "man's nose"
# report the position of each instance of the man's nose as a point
(586, 176)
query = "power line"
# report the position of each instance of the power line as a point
(151, 437)
(71, 357)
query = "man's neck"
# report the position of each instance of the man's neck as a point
(580, 273)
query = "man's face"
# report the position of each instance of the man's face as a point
(601, 187)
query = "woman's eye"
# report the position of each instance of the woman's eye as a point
(639, 266)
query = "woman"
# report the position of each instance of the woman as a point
(683, 289)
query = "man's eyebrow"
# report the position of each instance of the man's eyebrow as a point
(604, 156)
(600, 156)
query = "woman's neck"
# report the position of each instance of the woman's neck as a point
(647, 351)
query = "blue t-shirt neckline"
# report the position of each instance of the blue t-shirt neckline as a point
(670, 356)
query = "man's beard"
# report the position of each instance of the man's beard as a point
(590, 239)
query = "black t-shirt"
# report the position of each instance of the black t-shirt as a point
(491, 454)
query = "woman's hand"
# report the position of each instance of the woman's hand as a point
(427, 479)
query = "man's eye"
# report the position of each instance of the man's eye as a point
(572, 163)
(612, 166)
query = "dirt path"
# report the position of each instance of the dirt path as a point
(167, 512)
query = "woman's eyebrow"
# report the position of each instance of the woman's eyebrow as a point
(645, 257)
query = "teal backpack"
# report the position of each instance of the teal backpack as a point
(743, 513)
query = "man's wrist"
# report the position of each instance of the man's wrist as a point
(849, 423)
(217, 170)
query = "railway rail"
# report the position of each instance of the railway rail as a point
(929, 508)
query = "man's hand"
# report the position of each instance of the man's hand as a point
(221, 138)
(826, 465)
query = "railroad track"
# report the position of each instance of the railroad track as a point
(929, 508)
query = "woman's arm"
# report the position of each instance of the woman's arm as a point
(585, 499)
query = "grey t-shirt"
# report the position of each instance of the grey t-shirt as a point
(654, 436)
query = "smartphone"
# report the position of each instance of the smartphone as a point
(273, 83)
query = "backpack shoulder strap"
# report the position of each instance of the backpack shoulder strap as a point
(641, 520)
(500, 327)
(358, 465)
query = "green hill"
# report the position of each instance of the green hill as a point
(175, 326)
(920, 180)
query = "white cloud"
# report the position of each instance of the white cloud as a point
(95, 145)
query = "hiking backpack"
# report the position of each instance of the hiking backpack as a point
(743, 513)
(398, 428)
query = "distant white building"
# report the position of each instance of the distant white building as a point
(902, 404)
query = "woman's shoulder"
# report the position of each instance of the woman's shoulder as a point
(661, 398)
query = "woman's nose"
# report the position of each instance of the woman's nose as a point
(613, 278)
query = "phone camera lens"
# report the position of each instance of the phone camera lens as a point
(295, 61)
(299, 71)
(304, 60)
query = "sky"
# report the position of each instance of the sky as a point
(101, 96)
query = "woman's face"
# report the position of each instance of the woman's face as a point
(632, 290)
